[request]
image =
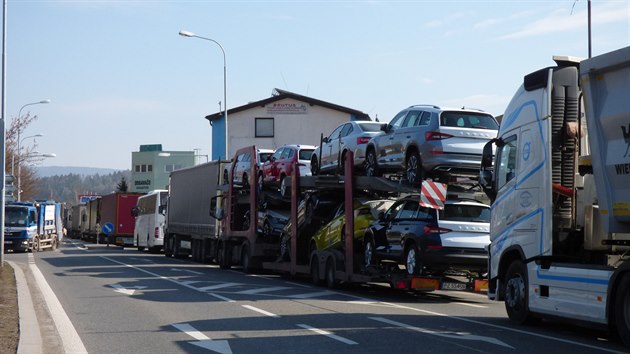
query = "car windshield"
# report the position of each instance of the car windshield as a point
(264, 156)
(370, 127)
(468, 120)
(305, 154)
(467, 213)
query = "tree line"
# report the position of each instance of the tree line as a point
(68, 188)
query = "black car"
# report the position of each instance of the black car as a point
(410, 234)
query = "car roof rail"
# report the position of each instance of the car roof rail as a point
(425, 105)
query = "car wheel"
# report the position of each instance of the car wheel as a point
(368, 252)
(412, 260)
(314, 166)
(413, 169)
(622, 309)
(308, 213)
(266, 229)
(284, 189)
(516, 293)
(371, 168)
(260, 182)
(245, 181)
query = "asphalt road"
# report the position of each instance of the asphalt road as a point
(125, 301)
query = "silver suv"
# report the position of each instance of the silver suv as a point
(425, 140)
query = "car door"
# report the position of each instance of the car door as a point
(344, 144)
(333, 232)
(269, 167)
(404, 135)
(400, 226)
(330, 149)
(386, 141)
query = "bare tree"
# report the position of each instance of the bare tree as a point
(21, 161)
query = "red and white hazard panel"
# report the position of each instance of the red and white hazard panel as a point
(433, 194)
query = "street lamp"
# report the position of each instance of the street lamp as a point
(18, 136)
(225, 114)
(13, 155)
(19, 176)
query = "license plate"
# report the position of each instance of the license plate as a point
(453, 286)
(184, 244)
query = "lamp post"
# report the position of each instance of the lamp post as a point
(13, 155)
(225, 114)
(19, 176)
(19, 147)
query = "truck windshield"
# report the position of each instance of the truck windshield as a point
(15, 217)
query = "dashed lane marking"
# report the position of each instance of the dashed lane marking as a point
(328, 334)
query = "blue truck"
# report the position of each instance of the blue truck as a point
(32, 226)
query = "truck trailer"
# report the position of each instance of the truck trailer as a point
(560, 190)
(115, 210)
(190, 230)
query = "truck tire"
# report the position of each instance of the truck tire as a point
(517, 294)
(622, 310)
(168, 246)
(54, 243)
(37, 244)
(315, 279)
(331, 282)
(246, 259)
(223, 257)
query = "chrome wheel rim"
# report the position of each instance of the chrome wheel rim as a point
(412, 167)
(515, 292)
(411, 261)
(368, 253)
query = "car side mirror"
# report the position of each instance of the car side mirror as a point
(325, 140)
(381, 216)
(135, 211)
(385, 127)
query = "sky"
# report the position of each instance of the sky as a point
(118, 74)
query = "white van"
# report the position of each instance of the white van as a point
(150, 216)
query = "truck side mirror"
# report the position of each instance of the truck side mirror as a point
(162, 209)
(486, 175)
(215, 211)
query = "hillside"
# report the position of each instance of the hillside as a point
(67, 188)
(48, 171)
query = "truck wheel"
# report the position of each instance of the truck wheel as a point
(53, 243)
(223, 256)
(516, 293)
(622, 310)
(412, 260)
(38, 244)
(168, 246)
(315, 270)
(246, 259)
(331, 282)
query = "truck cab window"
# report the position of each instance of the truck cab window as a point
(506, 170)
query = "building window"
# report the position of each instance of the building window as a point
(264, 127)
(149, 168)
(137, 168)
(172, 167)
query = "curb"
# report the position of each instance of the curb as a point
(30, 338)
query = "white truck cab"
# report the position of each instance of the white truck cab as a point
(560, 189)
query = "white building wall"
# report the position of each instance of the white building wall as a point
(295, 122)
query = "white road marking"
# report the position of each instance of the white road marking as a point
(69, 337)
(298, 284)
(221, 297)
(217, 286)
(328, 334)
(127, 291)
(203, 341)
(262, 290)
(502, 327)
(471, 305)
(444, 334)
(261, 311)
(186, 270)
(82, 247)
(311, 295)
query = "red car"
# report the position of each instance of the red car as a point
(280, 165)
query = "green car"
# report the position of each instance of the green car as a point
(331, 234)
